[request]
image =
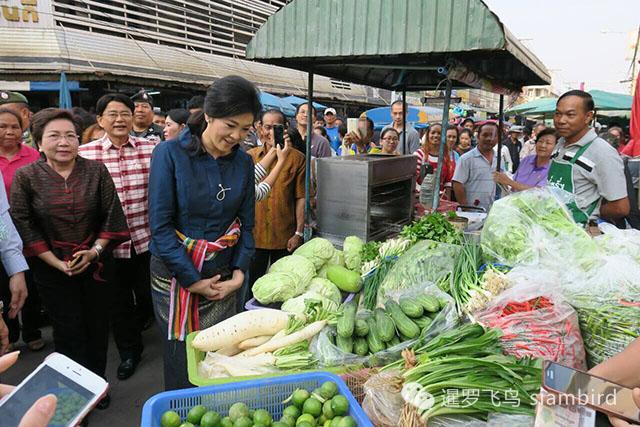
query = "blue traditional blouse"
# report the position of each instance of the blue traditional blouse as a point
(199, 196)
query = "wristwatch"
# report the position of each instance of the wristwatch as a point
(299, 234)
(98, 248)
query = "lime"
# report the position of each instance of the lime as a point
(259, 425)
(347, 422)
(292, 411)
(327, 411)
(312, 406)
(305, 424)
(299, 397)
(279, 424)
(288, 420)
(243, 422)
(237, 411)
(328, 389)
(226, 422)
(210, 419)
(187, 424)
(321, 420)
(327, 423)
(262, 416)
(170, 419)
(339, 405)
(335, 421)
(195, 414)
(306, 418)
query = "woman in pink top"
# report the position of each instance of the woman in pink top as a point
(13, 153)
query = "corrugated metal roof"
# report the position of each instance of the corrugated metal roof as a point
(369, 41)
(93, 56)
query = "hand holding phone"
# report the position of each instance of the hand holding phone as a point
(76, 389)
(278, 135)
(598, 393)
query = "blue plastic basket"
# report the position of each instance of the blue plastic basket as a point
(265, 393)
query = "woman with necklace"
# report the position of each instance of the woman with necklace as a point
(428, 154)
(533, 169)
(201, 214)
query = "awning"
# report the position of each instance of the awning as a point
(398, 43)
(604, 101)
(296, 100)
(418, 117)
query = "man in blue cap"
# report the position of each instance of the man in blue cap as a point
(19, 104)
(143, 126)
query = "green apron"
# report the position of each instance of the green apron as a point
(561, 176)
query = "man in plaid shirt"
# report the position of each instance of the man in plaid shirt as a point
(128, 160)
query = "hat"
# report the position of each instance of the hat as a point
(142, 96)
(516, 129)
(330, 111)
(7, 97)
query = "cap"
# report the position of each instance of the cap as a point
(516, 129)
(142, 96)
(330, 111)
(7, 97)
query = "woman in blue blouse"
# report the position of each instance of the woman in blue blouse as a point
(201, 214)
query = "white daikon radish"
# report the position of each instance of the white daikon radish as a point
(230, 350)
(242, 326)
(254, 342)
(305, 333)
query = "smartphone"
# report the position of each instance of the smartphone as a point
(588, 390)
(77, 388)
(352, 126)
(278, 135)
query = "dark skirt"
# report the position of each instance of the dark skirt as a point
(209, 312)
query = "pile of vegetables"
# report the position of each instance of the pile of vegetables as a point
(369, 332)
(467, 362)
(322, 407)
(434, 227)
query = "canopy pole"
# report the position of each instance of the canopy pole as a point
(500, 125)
(443, 142)
(404, 120)
(307, 165)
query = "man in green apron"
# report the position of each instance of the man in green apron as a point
(584, 164)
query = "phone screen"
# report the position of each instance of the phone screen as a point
(592, 391)
(278, 135)
(72, 398)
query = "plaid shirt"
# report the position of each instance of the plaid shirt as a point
(129, 167)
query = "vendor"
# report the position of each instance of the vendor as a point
(533, 169)
(201, 214)
(584, 164)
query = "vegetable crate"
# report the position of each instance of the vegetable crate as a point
(265, 393)
(195, 356)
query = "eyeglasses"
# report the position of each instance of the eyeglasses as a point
(113, 115)
(391, 139)
(57, 137)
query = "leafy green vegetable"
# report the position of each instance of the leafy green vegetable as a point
(316, 250)
(370, 251)
(352, 253)
(296, 265)
(277, 287)
(433, 227)
(325, 288)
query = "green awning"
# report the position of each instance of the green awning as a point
(604, 101)
(372, 41)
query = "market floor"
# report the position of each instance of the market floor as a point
(127, 397)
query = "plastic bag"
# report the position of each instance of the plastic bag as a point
(618, 241)
(329, 355)
(383, 401)
(534, 227)
(536, 321)
(425, 262)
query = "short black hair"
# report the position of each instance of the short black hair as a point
(342, 130)
(397, 101)
(468, 119)
(196, 102)
(322, 130)
(387, 130)
(232, 96)
(179, 115)
(546, 132)
(43, 117)
(453, 127)
(488, 124)
(587, 99)
(306, 103)
(370, 125)
(160, 113)
(102, 103)
(274, 111)
(467, 131)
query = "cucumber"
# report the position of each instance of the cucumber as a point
(394, 342)
(429, 303)
(347, 320)
(360, 346)
(384, 324)
(344, 344)
(423, 322)
(411, 307)
(373, 340)
(404, 325)
(361, 328)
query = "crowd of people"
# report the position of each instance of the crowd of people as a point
(142, 217)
